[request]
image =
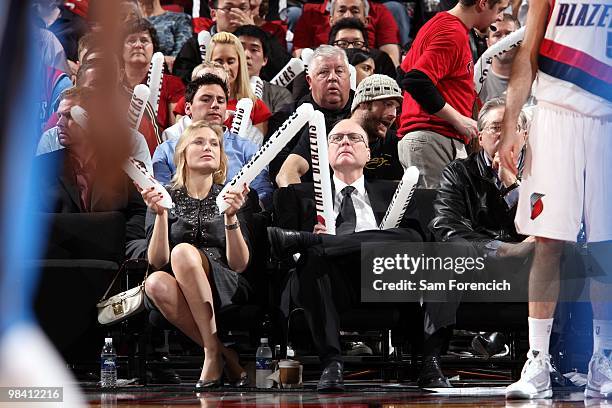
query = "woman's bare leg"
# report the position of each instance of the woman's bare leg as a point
(163, 289)
(190, 270)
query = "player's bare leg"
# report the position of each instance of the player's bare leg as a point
(599, 380)
(543, 295)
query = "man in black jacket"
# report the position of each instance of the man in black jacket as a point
(328, 269)
(475, 203)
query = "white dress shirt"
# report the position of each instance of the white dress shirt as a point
(361, 202)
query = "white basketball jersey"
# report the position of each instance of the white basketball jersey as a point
(575, 61)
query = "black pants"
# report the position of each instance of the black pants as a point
(329, 282)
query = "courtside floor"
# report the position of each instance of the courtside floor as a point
(357, 395)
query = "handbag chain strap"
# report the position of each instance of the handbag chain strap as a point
(123, 268)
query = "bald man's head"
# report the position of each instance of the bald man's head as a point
(348, 146)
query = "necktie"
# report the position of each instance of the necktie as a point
(347, 219)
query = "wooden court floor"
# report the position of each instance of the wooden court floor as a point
(182, 396)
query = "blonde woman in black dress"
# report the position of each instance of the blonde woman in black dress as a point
(198, 253)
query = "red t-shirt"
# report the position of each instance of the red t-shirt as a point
(201, 24)
(276, 29)
(312, 29)
(260, 112)
(172, 91)
(441, 50)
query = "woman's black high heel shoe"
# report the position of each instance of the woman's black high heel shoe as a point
(207, 385)
(243, 382)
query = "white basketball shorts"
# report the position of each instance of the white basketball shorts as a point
(567, 176)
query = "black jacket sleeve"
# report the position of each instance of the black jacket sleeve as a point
(287, 209)
(135, 213)
(187, 59)
(383, 63)
(452, 221)
(277, 59)
(422, 89)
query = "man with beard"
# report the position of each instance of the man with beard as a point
(377, 99)
(499, 74)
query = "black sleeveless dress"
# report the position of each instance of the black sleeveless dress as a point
(199, 223)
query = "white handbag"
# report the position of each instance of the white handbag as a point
(124, 304)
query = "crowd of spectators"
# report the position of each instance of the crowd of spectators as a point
(412, 104)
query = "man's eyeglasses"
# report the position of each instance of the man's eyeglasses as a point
(495, 127)
(227, 9)
(353, 138)
(346, 44)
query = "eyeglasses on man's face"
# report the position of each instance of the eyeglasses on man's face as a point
(353, 138)
(347, 44)
(497, 127)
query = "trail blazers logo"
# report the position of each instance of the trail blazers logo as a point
(537, 206)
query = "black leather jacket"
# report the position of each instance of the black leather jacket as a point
(469, 205)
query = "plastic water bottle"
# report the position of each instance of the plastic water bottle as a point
(263, 365)
(108, 365)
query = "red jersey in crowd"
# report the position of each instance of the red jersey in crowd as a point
(172, 91)
(312, 29)
(441, 50)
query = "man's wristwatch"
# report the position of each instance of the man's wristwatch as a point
(511, 187)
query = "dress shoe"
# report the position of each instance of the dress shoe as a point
(358, 348)
(490, 345)
(243, 382)
(331, 380)
(206, 385)
(284, 243)
(163, 376)
(431, 375)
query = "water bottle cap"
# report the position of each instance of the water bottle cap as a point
(264, 339)
(108, 340)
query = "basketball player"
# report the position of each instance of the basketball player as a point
(565, 182)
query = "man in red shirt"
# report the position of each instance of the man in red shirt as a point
(312, 29)
(437, 78)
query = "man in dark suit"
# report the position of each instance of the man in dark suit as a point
(83, 183)
(328, 268)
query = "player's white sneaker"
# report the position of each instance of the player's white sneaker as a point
(599, 380)
(535, 378)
